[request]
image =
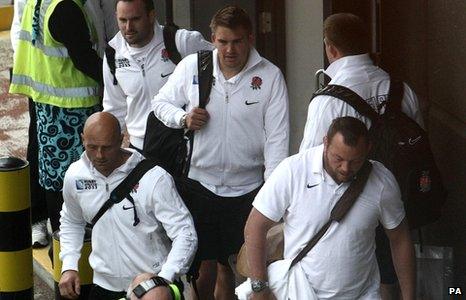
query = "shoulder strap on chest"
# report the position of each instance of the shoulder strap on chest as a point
(110, 55)
(124, 188)
(204, 71)
(169, 34)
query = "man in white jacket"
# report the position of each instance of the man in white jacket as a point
(142, 65)
(162, 242)
(239, 139)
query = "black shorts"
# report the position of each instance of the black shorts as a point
(219, 221)
(384, 257)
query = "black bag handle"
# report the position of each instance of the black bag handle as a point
(205, 79)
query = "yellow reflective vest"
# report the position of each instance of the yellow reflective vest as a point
(44, 71)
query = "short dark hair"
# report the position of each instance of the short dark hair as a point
(350, 128)
(348, 33)
(231, 17)
(149, 4)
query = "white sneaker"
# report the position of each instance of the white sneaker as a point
(39, 234)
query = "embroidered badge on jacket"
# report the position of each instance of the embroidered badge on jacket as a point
(256, 83)
(86, 184)
(122, 63)
(165, 55)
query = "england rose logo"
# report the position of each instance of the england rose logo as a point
(165, 55)
(256, 83)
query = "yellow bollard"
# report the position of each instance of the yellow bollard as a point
(16, 276)
(85, 270)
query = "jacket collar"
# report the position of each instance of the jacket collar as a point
(317, 165)
(347, 62)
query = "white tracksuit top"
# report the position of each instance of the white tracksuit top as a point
(130, 100)
(248, 126)
(164, 242)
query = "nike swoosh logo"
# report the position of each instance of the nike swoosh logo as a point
(311, 186)
(126, 208)
(250, 103)
(414, 141)
(165, 75)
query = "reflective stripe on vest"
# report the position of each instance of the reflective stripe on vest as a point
(43, 70)
(75, 92)
(49, 51)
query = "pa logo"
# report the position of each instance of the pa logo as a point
(454, 291)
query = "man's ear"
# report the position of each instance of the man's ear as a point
(325, 140)
(82, 138)
(333, 51)
(212, 37)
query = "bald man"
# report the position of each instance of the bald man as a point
(155, 233)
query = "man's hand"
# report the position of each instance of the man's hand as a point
(70, 285)
(197, 118)
(265, 294)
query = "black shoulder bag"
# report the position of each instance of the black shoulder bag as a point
(169, 146)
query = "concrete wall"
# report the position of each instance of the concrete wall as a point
(304, 52)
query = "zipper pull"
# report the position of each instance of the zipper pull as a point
(106, 187)
(227, 99)
(143, 71)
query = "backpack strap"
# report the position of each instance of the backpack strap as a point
(204, 71)
(350, 97)
(395, 95)
(123, 190)
(205, 79)
(340, 209)
(169, 34)
(110, 55)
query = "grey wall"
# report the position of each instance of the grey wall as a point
(203, 10)
(304, 53)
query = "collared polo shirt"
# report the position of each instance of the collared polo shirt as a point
(342, 265)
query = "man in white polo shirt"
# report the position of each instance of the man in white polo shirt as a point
(303, 190)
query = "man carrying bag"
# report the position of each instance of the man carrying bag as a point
(304, 190)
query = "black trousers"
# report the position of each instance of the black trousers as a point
(38, 201)
(99, 293)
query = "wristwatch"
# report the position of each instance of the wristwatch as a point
(258, 285)
(145, 286)
(183, 121)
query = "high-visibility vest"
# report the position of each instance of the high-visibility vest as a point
(44, 71)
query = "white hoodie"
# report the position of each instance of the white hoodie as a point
(129, 100)
(248, 126)
(164, 242)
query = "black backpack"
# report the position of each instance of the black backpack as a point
(172, 148)
(403, 147)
